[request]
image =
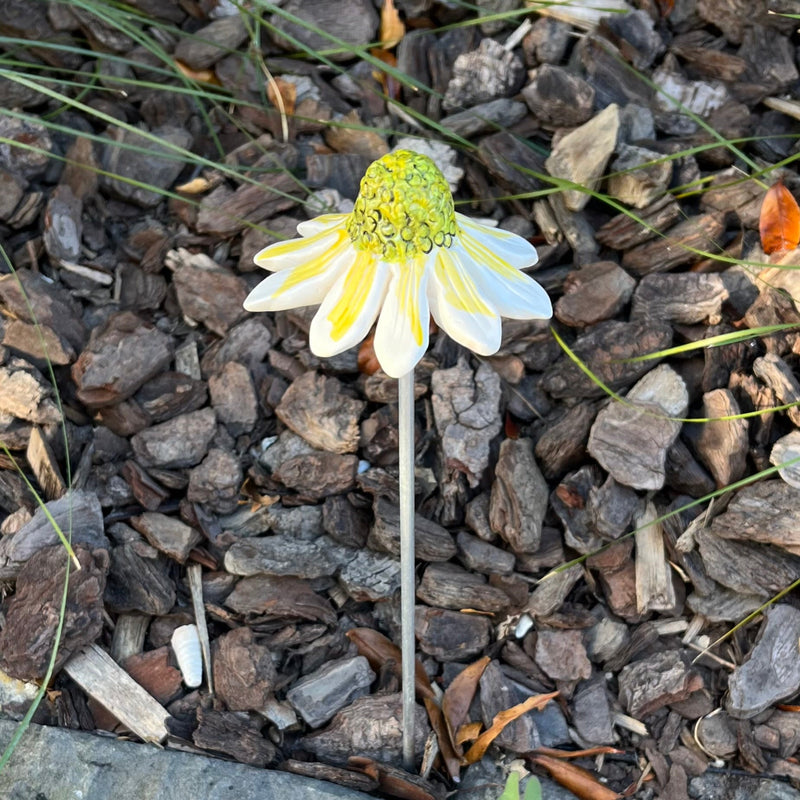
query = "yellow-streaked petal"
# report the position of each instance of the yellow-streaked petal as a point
(508, 247)
(321, 223)
(510, 292)
(293, 252)
(459, 309)
(401, 337)
(306, 284)
(350, 307)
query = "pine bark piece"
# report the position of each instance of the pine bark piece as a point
(622, 233)
(776, 373)
(562, 444)
(654, 588)
(433, 542)
(318, 696)
(683, 472)
(750, 568)
(128, 637)
(450, 586)
(145, 489)
(233, 397)
(519, 497)
(247, 343)
(212, 42)
(216, 481)
(680, 245)
(234, 734)
(180, 442)
(687, 298)
(558, 98)
(63, 227)
(121, 355)
(498, 694)
(43, 463)
(244, 675)
(31, 614)
(638, 176)
(25, 394)
(479, 555)
(317, 408)
(762, 512)
(582, 155)
(345, 523)
(105, 681)
(370, 577)
(591, 714)
(318, 475)
(80, 508)
(631, 442)
(153, 672)
(550, 595)
(510, 162)
(656, 681)
(594, 293)
(286, 555)
(604, 349)
(772, 671)
(169, 394)
(450, 635)
(571, 500)
(267, 597)
(466, 410)
(167, 534)
(207, 292)
(721, 444)
(371, 727)
(785, 450)
(26, 339)
(138, 580)
(562, 655)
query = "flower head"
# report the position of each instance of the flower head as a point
(402, 254)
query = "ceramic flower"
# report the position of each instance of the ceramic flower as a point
(402, 254)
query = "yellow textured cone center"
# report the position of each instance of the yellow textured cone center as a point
(404, 208)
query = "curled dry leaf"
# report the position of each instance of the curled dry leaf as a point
(195, 186)
(201, 75)
(446, 746)
(392, 28)
(287, 92)
(367, 360)
(393, 781)
(590, 752)
(779, 221)
(580, 782)
(458, 697)
(477, 751)
(379, 650)
(468, 732)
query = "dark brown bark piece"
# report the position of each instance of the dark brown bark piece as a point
(593, 293)
(32, 614)
(138, 580)
(234, 734)
(481, 556)
(622, 232)
(370, 727)
(180, 442)
(233, 397)
(268, 597)
(558, 98)
(433, 542)
(317, 408)
(153, 672)
(687, 298)
(216, 481)
(170, 394)
(449, 635)
(721, 444)
(344, 522)
(325, 772)
(318, 475)
(562, 445)
(519, 497)
(656, 681)
(449, 586)
(167, 534)
(498, 693)
(562, 655)
(121, 355)
(244, 675)
(145, 488)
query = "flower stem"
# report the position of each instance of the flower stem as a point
(405, 390)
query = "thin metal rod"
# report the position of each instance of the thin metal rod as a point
(405, 391)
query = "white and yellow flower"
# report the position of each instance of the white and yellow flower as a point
(402, 254)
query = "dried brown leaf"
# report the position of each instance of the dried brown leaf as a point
(195, 186)
(391, 780)
(468, 732)
(446, 748)
(288, 94)
(477, 751)
(379, 650)
(392, 28)
(201, 75)
(591, 752)
(458, 697)
(580, 782)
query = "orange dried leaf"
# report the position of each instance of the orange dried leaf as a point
(458, 696)
(195, 186)
(468, 732)
(580, 782)
(589, 753)
(392, 780)
(392, 28)
(389, 84)
(477, 751)
(379, 650)
(367, 360)
(288, 95)
(779, 222)
(451, 761)
(201, 75)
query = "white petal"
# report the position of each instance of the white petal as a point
(510, 292)
(514, 250)
(350, 307)
(321, 223)
(303, 285)
(401, 337)
(458, 308)
(293, 252)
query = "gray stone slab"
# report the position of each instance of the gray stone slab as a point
(61, 764)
